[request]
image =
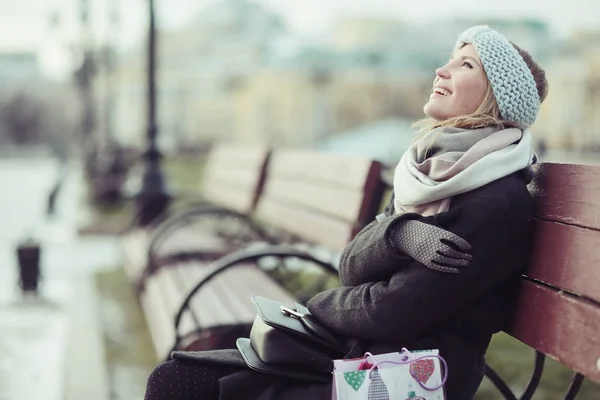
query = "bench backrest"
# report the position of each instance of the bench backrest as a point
(320, 198)
(233, 176)
(558, 310)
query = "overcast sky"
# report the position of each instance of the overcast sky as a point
(24, 24)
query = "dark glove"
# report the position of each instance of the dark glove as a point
(431, 245)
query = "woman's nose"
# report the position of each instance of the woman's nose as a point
(442, 73)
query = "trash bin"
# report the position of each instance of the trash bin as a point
(28, 255)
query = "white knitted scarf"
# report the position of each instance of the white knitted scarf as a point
(450, 161)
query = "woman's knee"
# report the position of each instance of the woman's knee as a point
(162, 378)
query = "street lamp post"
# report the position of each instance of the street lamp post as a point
(153, 199)
(84, 75)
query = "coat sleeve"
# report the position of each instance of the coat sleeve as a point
(370, 257)
(417, 299)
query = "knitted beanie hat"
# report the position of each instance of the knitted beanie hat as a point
(511, 80)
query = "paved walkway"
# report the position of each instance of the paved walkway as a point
(50, 347)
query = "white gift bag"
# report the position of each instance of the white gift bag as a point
(415, 375)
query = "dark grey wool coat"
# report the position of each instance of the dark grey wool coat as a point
(392, 301)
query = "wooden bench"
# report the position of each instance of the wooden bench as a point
(558, 308)
(308, 198)
(231, 181)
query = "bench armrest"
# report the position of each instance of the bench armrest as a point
(243, 256)
(189, 217)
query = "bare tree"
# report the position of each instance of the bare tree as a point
(39, 114)
(21, 118)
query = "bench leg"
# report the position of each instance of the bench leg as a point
(508, 394)
(499, 383)
(576, 382)
(531, 387)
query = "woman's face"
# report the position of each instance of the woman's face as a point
(459, 87)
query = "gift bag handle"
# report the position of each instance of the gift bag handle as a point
(407, 359)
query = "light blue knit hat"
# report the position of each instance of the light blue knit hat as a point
(511, 80)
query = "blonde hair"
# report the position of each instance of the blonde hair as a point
(488, 112)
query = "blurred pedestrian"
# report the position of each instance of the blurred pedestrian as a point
(54, 192)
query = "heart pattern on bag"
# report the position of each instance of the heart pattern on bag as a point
(355, 379)
(422, 370)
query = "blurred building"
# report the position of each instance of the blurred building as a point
(533, 35)
(570, 116)
(302, 106)
(404, 47)
(34, 111)
(198, 66)
(128, 92)
(384, 140)
(17, 68)
(236, 74)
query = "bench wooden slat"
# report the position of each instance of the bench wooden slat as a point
(237, 156)
(206, 305)
(157, 317)
(321, 198)
(306, 224)
(268, 287)
(237, 302)
(190, 238)
(233, 298)
(230, 197)
(233, 176)
(338, 202)
(332, 170)
(236, 178)
(566, 257)
(254, 283)
(568, 193)
(232, 291)
(173, 297)
(135, 253)
(184, 285)
(217, 296)
(238, 194)
(161, 302)
(559, 325)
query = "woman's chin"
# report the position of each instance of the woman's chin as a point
(432, 112)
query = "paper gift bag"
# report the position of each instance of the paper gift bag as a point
(406, 375)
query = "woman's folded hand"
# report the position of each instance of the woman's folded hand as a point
(432, 246)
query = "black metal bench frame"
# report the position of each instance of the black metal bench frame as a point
(286, 251)
(178, 221)
(238, 258)
(534, 382)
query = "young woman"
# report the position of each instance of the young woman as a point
(438, 270)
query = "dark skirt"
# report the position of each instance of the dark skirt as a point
(223, 375)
